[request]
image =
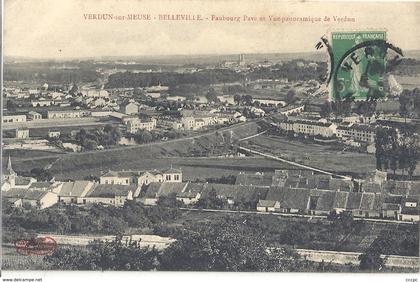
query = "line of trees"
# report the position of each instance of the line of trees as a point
(231, 245)
(89, 140)
(396, 150)
(410, 103)
(70, 219)
(205, 77)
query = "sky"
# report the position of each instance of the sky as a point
(58, 29)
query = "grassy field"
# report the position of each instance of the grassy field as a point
(138, 157)
(320, 156)
(28, 154)
(11, 259)
(193, 168)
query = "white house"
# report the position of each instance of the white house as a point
(22, 133)
(14, 118)
(141, 177)
(54, 134)
(134, 125)
(34, 115)
(176, 98)
(95, 93)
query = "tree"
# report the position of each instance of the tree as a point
(11, 105)
(247, 100)
(230, 245)
(98, 255)
(406, 100)
(343, 220)
(41, 174)
(168, 201)
(91, 145)
(291, 96)
(211, 95)
(371, 260)
(211, 201)
(237, 98)
(326, 109)
(143, 136)
(92, 178)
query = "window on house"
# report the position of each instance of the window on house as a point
(176, 177)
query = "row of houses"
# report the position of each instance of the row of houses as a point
(198, 122)
(138, 178)
(289, 200)
(263, 199)
(322, 202)
(287, 191)
(189, 193)
(309, 127)
(364, 133)
(113, 187)
(42, 195)
(33, 115)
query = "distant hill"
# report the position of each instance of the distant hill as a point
(209, 59)
(414, 54)
(194, 59)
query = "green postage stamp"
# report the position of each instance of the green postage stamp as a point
(359, 65)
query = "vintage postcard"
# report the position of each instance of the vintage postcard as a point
(222, 136)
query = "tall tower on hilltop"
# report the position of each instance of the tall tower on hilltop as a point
(241, 61)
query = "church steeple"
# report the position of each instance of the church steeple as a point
(9, 174)
(10, 170)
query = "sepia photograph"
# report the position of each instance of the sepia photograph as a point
(210, 136)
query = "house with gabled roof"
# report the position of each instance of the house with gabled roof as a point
(371, 187)
(321, 202)
(258, 179)
(109, 194)
(367, 206)
(129, 108)
(391, 210)
(268, 206)
(292, 200)
(21, 197)
(341, 184)
(14, 196)
(73, 192)
(151, 193)
(39, 198)
(191, 193)
(353, 201)
(340, 201)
